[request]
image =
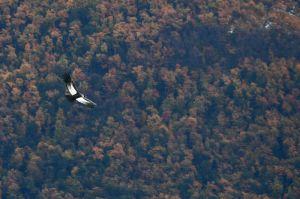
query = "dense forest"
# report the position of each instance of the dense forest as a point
(195, 99)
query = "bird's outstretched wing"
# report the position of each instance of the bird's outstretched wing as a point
(70, 85)
(85, 101)
(74, 95)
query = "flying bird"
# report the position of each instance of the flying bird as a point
(74, 95)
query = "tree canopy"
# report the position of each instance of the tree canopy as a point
(196, 99)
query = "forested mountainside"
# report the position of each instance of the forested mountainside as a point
(196, 99)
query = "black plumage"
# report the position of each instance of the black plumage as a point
(74, 94)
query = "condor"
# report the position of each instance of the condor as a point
(74, 95)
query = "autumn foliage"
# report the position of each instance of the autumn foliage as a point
(196, 99)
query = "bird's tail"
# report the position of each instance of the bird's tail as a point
(67, 78)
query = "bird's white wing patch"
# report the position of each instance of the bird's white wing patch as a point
(82, 100)
(85, 101)
(71, 89)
